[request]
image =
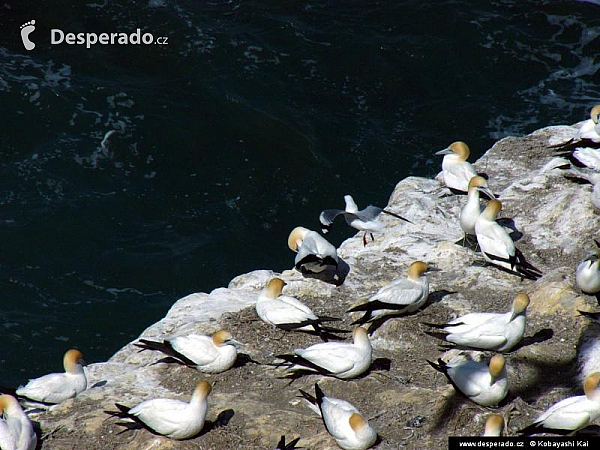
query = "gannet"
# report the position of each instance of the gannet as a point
(587, 274)
(281, 445)
(342, 421)
(57, 387)
(456, 170)
(483, 384)
(16, 430)
(364, 220)
(494, 425)
(497, 246)
(572, 413)
(7, 440)
(398, 297)
(289, 313)
(209, 354)
(314, 252)
(472, 209)
(338, 359)
(486, 331)
(171, 418)
(588, 134)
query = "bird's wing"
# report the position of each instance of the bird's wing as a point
(287, 312)
(162, 415)
(51, 388)
(469, 377)
(401, 292)
(495, 241)
(198, 348)
(327, 217)
(336, 358)
(588, 156)
(488, 335)
(369, 213)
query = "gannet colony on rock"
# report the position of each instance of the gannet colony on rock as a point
(380, 390)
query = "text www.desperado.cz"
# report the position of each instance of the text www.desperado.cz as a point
(136, 38)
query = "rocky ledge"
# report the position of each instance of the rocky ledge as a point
(410, 405)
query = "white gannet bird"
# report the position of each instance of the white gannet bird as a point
(486, 385)
(57, 387)
(363, 220)
(337, 359)
(472, 209)
(289, 313)
(587, 274)
(494, 425)
(314, 252)
(342, 421)
(486, 331)
(498, 247)
(7, 440)
(570, 414)
(209, 354)
(16, 430)
(169, 417)
(398, 297)
(588, 134)
(456, 170)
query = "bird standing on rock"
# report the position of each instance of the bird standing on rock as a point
(498, 247)
(209, 354)
(16, 430)
(588, 134)
(570, 414)
(169, 417)
(486, 331)
(587, 274)
(289, 313)
(484, 384)
(456, 170)
(342, 421)
(363, 220)
(57, 387)
(342, 360)
(472, 209)
(398, 297)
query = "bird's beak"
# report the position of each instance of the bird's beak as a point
(446, 151)
(235, 343)
(432, 268)
(487, 192)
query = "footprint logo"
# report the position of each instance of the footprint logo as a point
(26, 29)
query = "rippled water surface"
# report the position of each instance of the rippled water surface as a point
(249, 122)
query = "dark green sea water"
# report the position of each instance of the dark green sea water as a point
(255, 117)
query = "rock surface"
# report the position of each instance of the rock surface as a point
(411, 405)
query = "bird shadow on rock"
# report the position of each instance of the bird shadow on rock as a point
(541, 336)
(335, 276)
(434, 297)
(548, 376)
(590, 430)
(243, 359)
(509, 223)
